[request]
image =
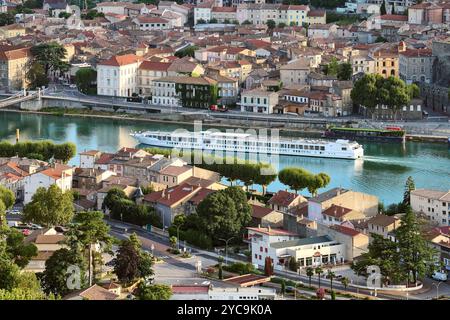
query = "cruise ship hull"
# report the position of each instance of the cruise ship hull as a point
(350, 154)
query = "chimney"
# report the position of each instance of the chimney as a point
(268, 228)
(168, 196)
(163, 193)
(259, 226)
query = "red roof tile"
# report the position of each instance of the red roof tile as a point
(336, 211)
(120, 60)
(345, 230)
(154, 66)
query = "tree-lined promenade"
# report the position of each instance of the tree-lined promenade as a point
(39, 150)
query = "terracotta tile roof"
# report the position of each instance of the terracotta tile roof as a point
(272, 232)
(336, 211)
(224, 9)
(175, 170)
(432, 194)
(383, 220)
(49, 239)
(58, 172)
(394, 17)
(13, 52)
(147, 19)
(316, 13)
(345, 230)
(259, 211)
(105, 158)
(417, 53)
(171, 196)
(248, 280)
(201, 195)
(298, 7)
(283, 198)
(154, 66)
(95, 293)
(118, 61)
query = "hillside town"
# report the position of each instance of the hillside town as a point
(142, 223)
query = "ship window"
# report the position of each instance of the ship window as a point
(300, 147)
(316, 147)
(344, 148)
(322, 148)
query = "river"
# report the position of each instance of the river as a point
(382, 172)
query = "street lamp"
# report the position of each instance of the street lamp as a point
(152, 248)
(226, 248)
(437, 289)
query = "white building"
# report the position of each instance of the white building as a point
(88, 158)
(313, 252)
(117, 76)
(259, 101)
(203, 12)
(208, 292)
(147, 23)
(433, 203)
(58, 174)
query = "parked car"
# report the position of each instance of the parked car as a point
(216, 108)
(439, 276)
(73, 86)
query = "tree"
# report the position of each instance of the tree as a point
(17, 250)
(331, 275)
(345, 282)
(332, 68)
(383, 8)
(58, 268)
(380, 39)
(64, 15)
(345, 71)
(296, 178)
(220, 268)
(265, 176)
(413, 91)
(154, 292)
(309, 273)
(283, 287)
(417, 257)
(271, 24)
(201, 21)
(213, 20)
(111, 198)
(318, 181)
(173, 242)
(49, 207)
(409, 186)
(6, 19)
(84, 79)
(224, 213)
(293, 264)
(318, 271)
(366, 91)
(90, 229)
(126, 264)
(8, 197)
(64, 151)
(36, 76)
(394, 93)
(268, 268)
(281, 25)
(51, 56)
(186, 52)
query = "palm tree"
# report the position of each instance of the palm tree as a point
(309, 273)
(319, 271)
(331, 276)
(345, 282)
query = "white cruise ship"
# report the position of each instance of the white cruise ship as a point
(247, 143)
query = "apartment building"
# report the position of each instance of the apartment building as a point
(416, 65)
(433, 203)
(117, 76)
(13, 65)
(223, 14)
(258, 101)
(148, 23)
(149, 71)
(295, 73)
(11, 31)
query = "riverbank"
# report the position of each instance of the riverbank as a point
(208, 123)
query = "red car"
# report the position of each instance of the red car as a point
(215, 107)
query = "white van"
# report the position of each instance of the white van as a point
(439, 276)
